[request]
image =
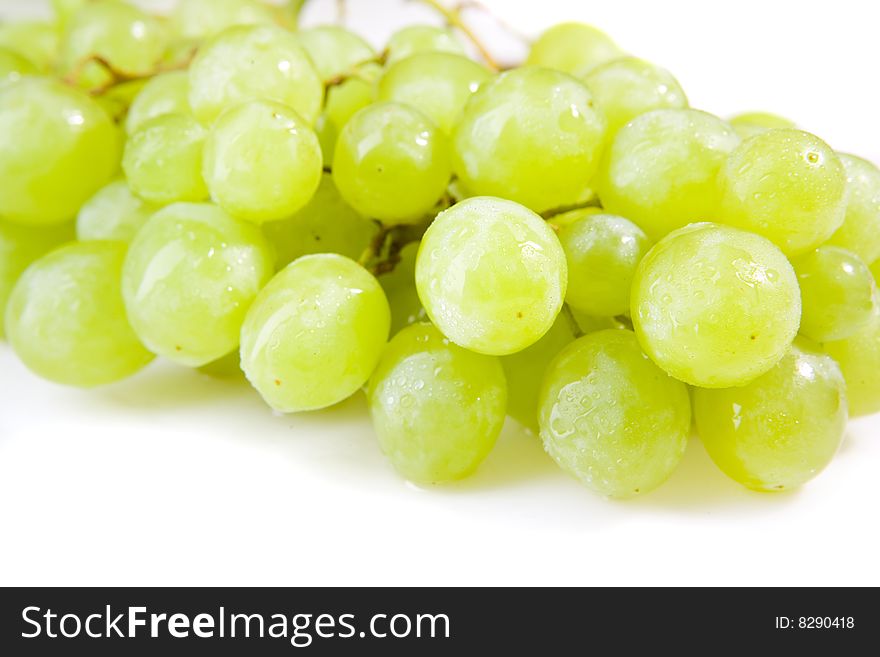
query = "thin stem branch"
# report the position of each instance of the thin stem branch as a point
(573, 325)
(453, 18)
(555, 212)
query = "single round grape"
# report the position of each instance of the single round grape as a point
(859, 359)
(113, 213)
(715, 306)
(602, 252)
(262, 62)
(860, 232)
(611, 418)
(334, 50)
(189, 278)
(660, 169)
(163, 160)
(421, 38)
(780, 430)
(573, 48)
(13, 66)
(491, 275)
(786, 185)
(262, 162)
(437, 408)
(627, 87)
(195, 20)
(315, 333)
(326, 225)
(837, 292)
(343, 101)
(66, 321)
(65, 149)
(400, 288)
(391, 163)
(750, 124)
(36, 41)
(531, 135)
(438, 84)
(167, 93)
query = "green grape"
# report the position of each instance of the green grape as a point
(113, 213)
(195, 20)
(335, 51)
(117, 100)
(660, 170)
(860, 232)
(750, 124)
(400, 288)
(19, 247)
(437, 409)
(315, 333)
(326, 225)
(66, 321)
(391, 163)
(65, 149)
(715, 306)
(190, 276)
(164, 94)
(525, 370)
(602, 252)
(64, 9)
(438, 84)
(786, 185)
(838, 294)
(491, 275)
(262, 162)
(343, 101)
(627, 87)
(531, 135)
(421, 38)
(36, 41)
(611, 418)
(859, 359)
(780, 430)
(13, 66)
(163, 160)
(573, 48)
(254, 63)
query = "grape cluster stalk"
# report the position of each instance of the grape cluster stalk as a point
(567, 242)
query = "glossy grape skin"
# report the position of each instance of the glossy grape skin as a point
(334, 50)
(786, 185)
(315, 333)
(491, 275)
(611, 418)
(343, 101)
(660, 170)
(780, 430)
(715, 306)
(602, 252)
(36, 41)
(437, 408)
(750, 124)
(838, 293)
(66, 321)
(860, 232)
(391, 163)
(163, 160)
(254, 63)
(189, 278)
(201, 19)
(530, 135)
(416, 39)
(13, 66)
(627, 87)
(438, 84)
(400, 288)
(65, 149)
(573, 48)
(113, 213)
(167, 93)
(262, 162)
(859, 360)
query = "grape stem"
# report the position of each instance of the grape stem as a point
(120, 77)
(454, 19)
(382, 255)
(594, 202)
(576, 329)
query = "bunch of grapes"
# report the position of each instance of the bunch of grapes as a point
(565, 242)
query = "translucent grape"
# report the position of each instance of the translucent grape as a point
(334, 50)
(315, 333)
(66, 321)
(491, 275)
(531, 135)
(602, 252)
(343, 101)
(163, 160)
(202, 19)
(573, 48)
(400, 288)
(780, 430)
(262, 162)
(36, 41)
(860, 232)
(838, 293)
(437, 409)
(660, 170)
(859, 359)
(421, 38)
(750, 124)
(167, 93)
(13, 66)
(611, 418)
(65, 149)
(436, 83)
(114, 213)
(715, 306)
(189, 278)
(391, 163)
(252, 63)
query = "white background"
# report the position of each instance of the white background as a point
(175, 478)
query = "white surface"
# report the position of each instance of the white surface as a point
(175, 478)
